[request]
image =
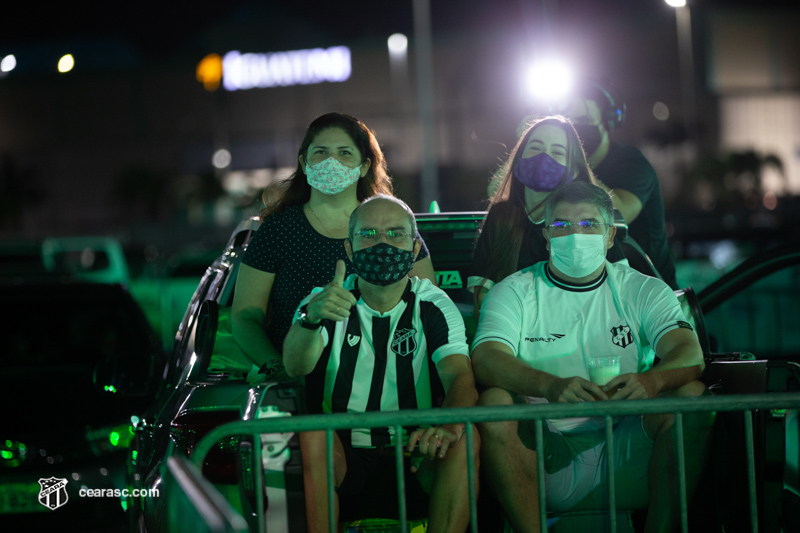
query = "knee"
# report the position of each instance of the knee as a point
(500, 430)
(657, 425)
(495, 396)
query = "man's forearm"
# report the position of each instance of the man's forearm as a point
(495, 368)
(301, 350)
(682, 364)
(462, 392)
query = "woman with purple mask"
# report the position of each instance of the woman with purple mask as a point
(305, 224)
(547, 155)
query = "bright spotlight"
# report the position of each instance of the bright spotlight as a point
(676, 3)
(8, 63)
(548, 80)
(66, 63)
(398, 43)
(221, 159)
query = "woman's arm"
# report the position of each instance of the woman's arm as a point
(423, 269)
(253, 288)
(477, 301)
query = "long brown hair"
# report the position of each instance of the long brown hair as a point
(507, 204)
(295, 190)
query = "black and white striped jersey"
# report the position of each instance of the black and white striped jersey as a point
(385, 362)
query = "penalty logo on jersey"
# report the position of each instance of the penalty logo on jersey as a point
(404, 342)
(621, 336)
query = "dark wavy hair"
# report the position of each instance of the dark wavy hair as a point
(508, 200)
(295, 190)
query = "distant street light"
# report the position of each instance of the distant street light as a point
(8, 63)
(66, 63)
(398, 44)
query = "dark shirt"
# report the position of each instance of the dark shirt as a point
(288, 246)
(626, 168)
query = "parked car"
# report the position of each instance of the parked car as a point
(194, 400)
(78, 364)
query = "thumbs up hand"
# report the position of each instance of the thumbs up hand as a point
(333, 302)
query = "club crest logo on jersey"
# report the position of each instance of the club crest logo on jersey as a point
(621, 336)
(53, 492)
(352, 340)
(404, 341)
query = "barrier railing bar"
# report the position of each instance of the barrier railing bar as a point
(679, 451)
(751, 469)
(449, 415)
(471, 478)
(612, 494)
(259, 481)
(540, 475)
(472, 415)
(331, 493)
(401, 479)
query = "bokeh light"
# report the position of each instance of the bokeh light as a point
(221, 159)
(66, 63)
(8, 63)
(398, 43)
(660, 111)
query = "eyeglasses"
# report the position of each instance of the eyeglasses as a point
(370, 236)
(563, 227)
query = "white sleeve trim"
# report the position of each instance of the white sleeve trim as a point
(476, 281)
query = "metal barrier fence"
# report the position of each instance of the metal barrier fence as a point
(470, 416)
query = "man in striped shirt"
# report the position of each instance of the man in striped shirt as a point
(381, 341)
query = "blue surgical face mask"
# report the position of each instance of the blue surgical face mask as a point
(540, 173)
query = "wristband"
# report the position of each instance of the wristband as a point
(305, 323)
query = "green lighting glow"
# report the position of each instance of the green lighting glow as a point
(8, 444)
(5, 454)
(114, 438)
(124, 504)
(109, 388)
(134, 454)
(134, 420)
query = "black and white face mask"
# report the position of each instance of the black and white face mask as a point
(383, 264)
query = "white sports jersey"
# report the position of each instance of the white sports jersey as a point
(385, 361)
(555, 326)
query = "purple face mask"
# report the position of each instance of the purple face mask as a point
(541, 172)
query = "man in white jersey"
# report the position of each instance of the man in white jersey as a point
(537, 330)
(381, 341)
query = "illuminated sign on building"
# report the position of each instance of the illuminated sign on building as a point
(281, 69)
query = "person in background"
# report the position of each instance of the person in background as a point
(538, 331)
(595, 110)
(381, 341)
(547, 155)
(305, 222)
